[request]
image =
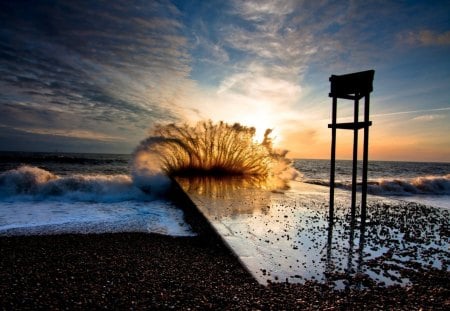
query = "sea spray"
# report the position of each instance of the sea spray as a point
(209, 149)
(24, 180)
(147, 169)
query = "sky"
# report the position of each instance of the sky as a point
(96, 76)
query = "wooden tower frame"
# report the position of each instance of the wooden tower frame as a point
(353, 86)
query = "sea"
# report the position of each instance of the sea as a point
(45, 193)
(427, 183)
(48, 193)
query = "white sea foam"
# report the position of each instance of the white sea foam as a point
(35, 201)
(81, 217)
(31, 183)
(424, 185)
(148, 174)
(432, 185)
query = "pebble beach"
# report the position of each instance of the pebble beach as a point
(148, 271)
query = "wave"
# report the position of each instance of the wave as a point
(209, 149)
(33, 183)
(424, 185)
(431, 185)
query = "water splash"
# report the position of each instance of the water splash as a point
(210, 149)
(24, 180)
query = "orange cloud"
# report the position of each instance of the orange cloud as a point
(426, 37)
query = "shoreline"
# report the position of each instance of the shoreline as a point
(139, 270)
(148, 270)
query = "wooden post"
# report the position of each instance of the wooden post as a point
(355, 159)
(365, 161)
(329, 264)
(333, 159)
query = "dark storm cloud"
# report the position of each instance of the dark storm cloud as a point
(18, 139)
(102, 61)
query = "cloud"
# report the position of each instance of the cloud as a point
(425, 38)
(256, 82)
(258, 10)
(429, 117)
(270, 47)
(271, 39)
(252, 97)
(91, 66)
(295, 37)
(410, 112)
(17, 139)
(206, 46)
(82, 134)
(77, 133)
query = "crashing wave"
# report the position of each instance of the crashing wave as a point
(29, 182)
(209, 149)
(424, 185)
(433, 185)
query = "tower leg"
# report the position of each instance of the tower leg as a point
(333, 160)
(355, 160)
(365, 161)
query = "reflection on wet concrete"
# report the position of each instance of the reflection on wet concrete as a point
(286, 236)
(218, 199)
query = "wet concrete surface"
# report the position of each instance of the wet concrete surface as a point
(285, 236)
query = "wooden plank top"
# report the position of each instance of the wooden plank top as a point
(358, 83)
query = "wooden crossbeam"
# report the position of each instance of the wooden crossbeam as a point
(350, 125)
